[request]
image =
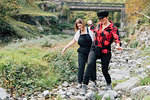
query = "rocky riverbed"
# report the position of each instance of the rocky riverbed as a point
(127, 68)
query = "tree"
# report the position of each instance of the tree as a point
(136, 8)
(8, 7)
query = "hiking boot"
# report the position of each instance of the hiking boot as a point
(94, 86)
(83, 90)
(79, 85)
(109, 87)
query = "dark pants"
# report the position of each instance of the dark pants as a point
(82, 59)
(95, 54)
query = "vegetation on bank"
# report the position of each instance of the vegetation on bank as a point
(28, 19)
(26, 69)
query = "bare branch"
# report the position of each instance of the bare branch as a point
(143, 15)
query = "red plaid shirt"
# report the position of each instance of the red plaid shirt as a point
(104, 38)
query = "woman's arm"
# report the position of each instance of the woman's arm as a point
(68, 45)
(92, 27)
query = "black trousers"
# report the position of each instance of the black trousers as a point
(95, 54)
(82, 59)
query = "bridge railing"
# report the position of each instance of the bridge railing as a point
(94, 4)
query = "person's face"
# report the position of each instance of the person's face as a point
(79, 25)
(104, 20)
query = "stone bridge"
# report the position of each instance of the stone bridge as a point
(89, 6)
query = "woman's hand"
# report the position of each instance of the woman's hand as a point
(118, 47)
(63, 51)
(89, 22)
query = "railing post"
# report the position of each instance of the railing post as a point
(122, 18)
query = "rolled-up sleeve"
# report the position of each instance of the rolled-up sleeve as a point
(115, 34)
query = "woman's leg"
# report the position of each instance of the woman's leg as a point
(90, 66)
(81, 65)
(93, 75)
(105, 58)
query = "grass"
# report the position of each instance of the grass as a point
(146, 98)
(145, 81)
(146, 52)
(118, 81)
(36, 12)
(20, 29)
(27, 66)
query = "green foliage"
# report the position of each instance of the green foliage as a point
(8, 7)
(64, 65)
(46, 44)
(97, 97)
(44, 3)
(62, 26)
(6, 31)
(59, 97)
(134, 44)
(27, 70)
(65, 10)
(145, 81)
(118, 81)
(127, 40)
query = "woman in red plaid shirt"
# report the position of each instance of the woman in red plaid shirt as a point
(105, 33)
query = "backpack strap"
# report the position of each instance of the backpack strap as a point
(80, 31)
(87, 30)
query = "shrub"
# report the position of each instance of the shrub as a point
(25, 71)
(127, 40)
(65, 26)
(64, 65)
(6, 31)
(145, 81)
(134, 44)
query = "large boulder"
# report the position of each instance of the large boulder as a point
(141, 90)
(128, 85)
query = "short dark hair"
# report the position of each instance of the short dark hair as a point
(102, 13)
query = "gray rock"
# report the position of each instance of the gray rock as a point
(140, 90)
(63, 96)
(101, 93)
(46, 93)
(118, 74)
(120, 93)
(78, 97)
(60, 90)
(3, 94)
(90, 95)
(54, 90)
(72, 90)
(148, 66)
(65, 84)
(108, 96)
(128, 85)
(60, 87)
(24, 99)
(140, 70)
(40, 29)
(129, 98)
(113, 93)
(69, 93)
(113, 64)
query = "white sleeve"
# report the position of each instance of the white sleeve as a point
(91, 34)
(76, 36)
